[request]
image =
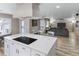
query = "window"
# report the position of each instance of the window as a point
(5, 25)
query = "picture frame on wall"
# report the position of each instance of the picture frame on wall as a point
(34, 23)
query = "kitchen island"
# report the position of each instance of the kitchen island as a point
(43, 46)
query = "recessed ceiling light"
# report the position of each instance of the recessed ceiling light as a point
(57, 6)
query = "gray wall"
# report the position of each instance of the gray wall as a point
(15, 26)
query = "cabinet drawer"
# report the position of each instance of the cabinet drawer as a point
(36, 53)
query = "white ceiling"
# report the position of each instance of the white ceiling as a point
(66, 10)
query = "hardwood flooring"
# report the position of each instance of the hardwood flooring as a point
(1, 51)
(67, 46)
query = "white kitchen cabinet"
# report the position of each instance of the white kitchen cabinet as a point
(12, 48)
(36, 53)
(44, 46)
(23, 51)
(7, 48)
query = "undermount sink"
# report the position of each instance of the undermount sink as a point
(25, 40)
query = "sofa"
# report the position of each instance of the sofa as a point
(59, 31)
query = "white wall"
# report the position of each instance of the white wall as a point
(8, 8)
(23, 10)
(15, 26)
(68, 21)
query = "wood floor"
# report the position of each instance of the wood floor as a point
(1, 51)
(65, 46)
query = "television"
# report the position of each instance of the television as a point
(61, 25)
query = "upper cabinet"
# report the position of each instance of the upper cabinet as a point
(7, 8)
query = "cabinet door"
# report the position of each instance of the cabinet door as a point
(6, 48)
(36, 53)
(14, 49)
(17, 49)
(24, 51)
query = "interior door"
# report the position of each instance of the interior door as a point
(22, 26)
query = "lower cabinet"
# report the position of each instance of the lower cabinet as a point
(12, 48)
(36, 53)
(6, 48)
(19, 50)
(23, 51)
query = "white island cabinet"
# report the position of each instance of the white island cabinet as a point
(41, 47)
(14, 49)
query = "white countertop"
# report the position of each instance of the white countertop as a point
(42, 44)
(4, 34)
